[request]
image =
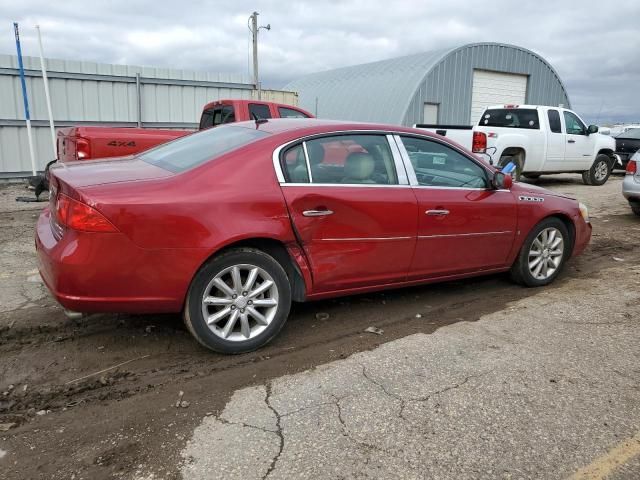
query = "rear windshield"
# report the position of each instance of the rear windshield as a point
(192, 150)
(633, 133)
(511, 118)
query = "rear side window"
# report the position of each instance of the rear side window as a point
(217, 116)
(290, 113)
(258, 111)
(192, 150)
(554, 121)
(341, 160)
(511, 118)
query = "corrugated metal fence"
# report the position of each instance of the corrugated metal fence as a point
(87, 93)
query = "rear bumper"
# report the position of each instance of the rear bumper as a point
(106, 272)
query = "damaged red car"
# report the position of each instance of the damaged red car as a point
(230, 225)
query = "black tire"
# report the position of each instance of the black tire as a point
(594, 176)
(517, 173)
(531, 176)
(635, 208)
(193, 311)
(520, 272)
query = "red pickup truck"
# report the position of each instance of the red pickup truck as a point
(84, 143)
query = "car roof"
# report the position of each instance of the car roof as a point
(314, 125)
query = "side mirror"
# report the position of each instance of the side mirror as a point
(592, 129)
(501, 181)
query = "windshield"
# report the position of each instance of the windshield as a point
(510, 118)
(633, 133)
(192, 150)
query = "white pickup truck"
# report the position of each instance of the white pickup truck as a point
(538, 140)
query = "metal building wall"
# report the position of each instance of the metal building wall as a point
(449, 82)
(103, 94)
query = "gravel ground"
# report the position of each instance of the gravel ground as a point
(484, 351)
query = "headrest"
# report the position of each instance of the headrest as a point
(359, 166)
(316, 152)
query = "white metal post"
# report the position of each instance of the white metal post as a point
(47, 96)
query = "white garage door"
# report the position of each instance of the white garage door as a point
(494, 88)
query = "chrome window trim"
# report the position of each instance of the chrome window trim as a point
(401, 171)
(337, 185)
(306, 161)
(413, 179)
(275, 157)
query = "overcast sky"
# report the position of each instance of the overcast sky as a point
(594, 45)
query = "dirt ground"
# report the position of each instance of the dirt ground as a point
(65, 412)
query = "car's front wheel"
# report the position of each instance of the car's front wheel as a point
(543, 254)
(238, 301)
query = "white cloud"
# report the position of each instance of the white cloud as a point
(594, 46)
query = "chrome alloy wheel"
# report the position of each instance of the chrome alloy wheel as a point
(601, 171)
(240, 302)
(545, 254)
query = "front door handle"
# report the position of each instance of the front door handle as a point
(317, 213)
(437, 213)
(571, 141)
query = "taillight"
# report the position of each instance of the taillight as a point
(479, 144)
(83, 149)
(632, 167)
(80, 216)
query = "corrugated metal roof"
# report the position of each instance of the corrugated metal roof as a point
(391, 91)
(374, 92)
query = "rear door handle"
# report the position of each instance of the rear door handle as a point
(317, 213)
(571, 141)
(437, 213)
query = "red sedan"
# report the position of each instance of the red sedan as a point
(231, 225)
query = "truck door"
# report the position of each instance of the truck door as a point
(579, 147)
(556, 142)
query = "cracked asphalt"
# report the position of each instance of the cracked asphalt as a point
(470, 379)
(535, 391)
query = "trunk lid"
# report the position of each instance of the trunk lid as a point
(114, 170)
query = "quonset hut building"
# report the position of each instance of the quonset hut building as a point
(451, 86)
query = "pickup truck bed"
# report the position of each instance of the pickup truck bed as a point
(81, 143)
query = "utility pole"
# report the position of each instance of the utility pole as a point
(253, 18)
(254, 39)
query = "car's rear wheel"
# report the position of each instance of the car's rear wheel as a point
(238, 301)
(635, 208)
(599, 172)
(543, 254)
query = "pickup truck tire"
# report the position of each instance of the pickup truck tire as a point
(238, 301)
(531, 176)
(635, 208)
(543, 254)
(517, 173)
(599, 172)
